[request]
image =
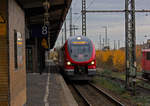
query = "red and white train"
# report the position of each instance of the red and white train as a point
(146, 60)
(78, 58)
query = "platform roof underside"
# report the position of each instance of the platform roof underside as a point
(34, 12)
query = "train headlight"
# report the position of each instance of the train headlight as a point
(68, 63)
(92, 62)
(78, 38)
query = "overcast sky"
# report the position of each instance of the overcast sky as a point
(115, 22)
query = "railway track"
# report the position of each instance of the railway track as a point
(144, 80)
(121, 81)
(78, 96)
(94, 96)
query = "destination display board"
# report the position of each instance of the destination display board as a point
(79, 42)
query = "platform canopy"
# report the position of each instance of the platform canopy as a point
(34, 12)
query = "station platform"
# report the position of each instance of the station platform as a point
(48, 89)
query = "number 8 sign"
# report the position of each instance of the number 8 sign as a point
(44, 30)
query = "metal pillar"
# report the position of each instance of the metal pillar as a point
(65, 28)
(62, 37)
(106, 36)
(108, 40)
(70, 21)
(100, 41)
(74, 28)
(106, 43)
(103, 43)
(130, 43)
(118, 44)
(84, 17)
(114, 44)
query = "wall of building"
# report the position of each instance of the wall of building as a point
(17, 75)
(4, 91)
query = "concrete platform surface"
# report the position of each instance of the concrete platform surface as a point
(48, 89)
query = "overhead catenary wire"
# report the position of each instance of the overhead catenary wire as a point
(75, 4)
(90, 4)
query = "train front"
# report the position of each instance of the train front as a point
(146, 60)
(80, 63)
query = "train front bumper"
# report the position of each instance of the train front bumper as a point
(69, 72)
(91, 71)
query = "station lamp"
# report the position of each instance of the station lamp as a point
(46, 5)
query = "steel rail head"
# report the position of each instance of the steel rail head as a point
(106, 94)
(76, 89)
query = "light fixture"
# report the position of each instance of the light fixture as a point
(92, 62)
(78, 38)
(46, 5)
(68, 63)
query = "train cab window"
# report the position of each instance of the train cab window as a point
(80, 49)
(148, 55)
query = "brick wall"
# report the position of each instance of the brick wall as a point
(17, 76)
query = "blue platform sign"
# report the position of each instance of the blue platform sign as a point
(39, 30)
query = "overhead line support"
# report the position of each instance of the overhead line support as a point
(113, 11)
(84, 17)
(65, 28)
(129, 36)
(130, 43)
(70, 21)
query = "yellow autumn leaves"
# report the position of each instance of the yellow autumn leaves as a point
(115, 59)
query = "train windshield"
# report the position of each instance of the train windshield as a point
(80, 52)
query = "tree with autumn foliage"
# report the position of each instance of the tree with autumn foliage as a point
(115, 59)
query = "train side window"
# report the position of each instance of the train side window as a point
(148, 55)
(15, 49)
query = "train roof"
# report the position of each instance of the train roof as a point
(79, 38)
